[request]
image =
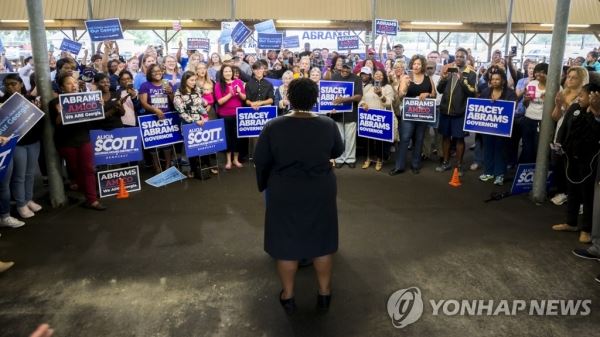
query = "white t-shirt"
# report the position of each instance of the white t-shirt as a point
(535, 110)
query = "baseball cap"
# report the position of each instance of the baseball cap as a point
(366, 70)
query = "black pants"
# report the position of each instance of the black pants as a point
(582, 193)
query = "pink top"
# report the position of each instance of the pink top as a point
(228, 109)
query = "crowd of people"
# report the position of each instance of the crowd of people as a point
(201, 88)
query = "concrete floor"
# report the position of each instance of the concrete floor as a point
(187, 260)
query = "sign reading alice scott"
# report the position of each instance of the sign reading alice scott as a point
(81, 107)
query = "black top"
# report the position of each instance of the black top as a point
(73, 135)
(456, 89)
(113, 111)
(348, 117)
(414, 89)
(579, 134)
(259, 90)
(507, 94)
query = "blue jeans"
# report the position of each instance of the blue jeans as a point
(530, 135)
(25, 162)
(5, 192)
(478, 157)
(494, 153)
(407, 129)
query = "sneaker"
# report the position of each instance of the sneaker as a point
(444, 167)
(474, 167)
(11, 222)
(486, 177)
(597, 279)
(563, 227)
(25, 212)
(33, 206)
(585, 254)
(366, 164)
(585, 237)
(580, 209)
(4, 266)
(559, 199)
(499, 181)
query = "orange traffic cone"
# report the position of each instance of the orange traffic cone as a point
(123, 194)
(455, 181)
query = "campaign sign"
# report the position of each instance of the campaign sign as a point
(226, 28)
(291, 42)
(81, 107)
(102, 30)
(346, 42)
(240, 33)
(413, 109)
(18, 116)
(171, 175)
(71, 46)
(330, 90)
(198, 43)
(489, 117)
(116, 146)
(250, 122)
(6, 154)
(386, 27)
(275, 82)
(265, 27)
(160, 132)
(523, 182)
(269, 41)
(376, 124)
(204, 140)
(108, 181)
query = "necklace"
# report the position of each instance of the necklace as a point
(302, 114)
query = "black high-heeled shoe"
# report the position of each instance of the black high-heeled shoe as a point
(323, 301)
(288, 305)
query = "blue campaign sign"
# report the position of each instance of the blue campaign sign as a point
(347, 42)
(265, 27)
(413, 109)
(489, 117)
(204, 140)
(2, 50)
(18, 116)
(330, 90)
(386, 27)
(116, 146)
(108, 181)
(81, 107)
(250, 122)
(102, 30)
(275, 82)
(160, 132)
(6, 154)
(240, 33)
(523, 182)
(291, 42)
(71, 46)
(376, 124)
(198, 43)
(171, 175)
(269, 40)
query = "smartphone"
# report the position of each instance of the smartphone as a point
(513, 51)
(377, 84)
(531, 89)
(129, 86)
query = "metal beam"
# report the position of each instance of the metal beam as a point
(508, 27)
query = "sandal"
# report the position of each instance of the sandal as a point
(96, 206)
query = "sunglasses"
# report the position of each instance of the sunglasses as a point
(430, 68)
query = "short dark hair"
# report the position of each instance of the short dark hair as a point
(594, 54)
(125, 72)
(61, 79)
(591, 87)
(96, 57)
(149, 72)
(61, 63)
(303, 93)
(257, 65)
(99, 77)
(543, 67)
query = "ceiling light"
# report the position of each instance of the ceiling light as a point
(435, 23)
(165, 21)
(571, 26)
(304, 21)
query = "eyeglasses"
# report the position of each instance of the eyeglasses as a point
(430, 68)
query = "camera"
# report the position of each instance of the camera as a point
(452, 70)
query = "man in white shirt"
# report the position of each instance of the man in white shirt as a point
(26, 71)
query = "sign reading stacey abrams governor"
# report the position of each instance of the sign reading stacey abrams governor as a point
(250, 122)
(81, 107)
(376, 124)
(329, 91)
(206, 139)
(160, 132)
(489, 117)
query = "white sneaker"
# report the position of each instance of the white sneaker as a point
(559, 199)
(25, 212)
(11, 222)
(33, 206)
(581, 209)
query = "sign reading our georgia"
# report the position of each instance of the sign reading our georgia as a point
(414, 109)
(329, 91)
(206, 139)
(106, 29)
(116, 146)
(108, 181)
(18, 116)
(160, 132)
(376, 124)
(81, 107)
(250, 122)
(489, 117)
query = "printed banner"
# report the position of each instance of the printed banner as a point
(198, 43)
(347, 42)
(330, 90)
(204, 140)
(102, 30)
(160, 132)
(18, 116)
(413, 109)
(265, 27)
(291, 42)
(386, 27)
(269, 41)
(250, 122)
(523, 182)
(167, 177)
(240, 33)
(108, 181)
(6, 154)
(376, 124)
(71, 46)
(81, 107)
(489, 117)
(116, 146)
